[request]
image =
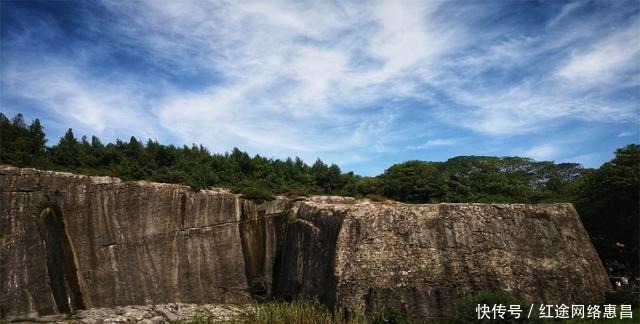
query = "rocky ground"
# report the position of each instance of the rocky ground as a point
(150, 314)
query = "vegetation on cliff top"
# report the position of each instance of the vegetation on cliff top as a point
(460, 179)
(606, 198)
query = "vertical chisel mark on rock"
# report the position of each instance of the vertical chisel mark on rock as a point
(309, 256)
(183, 209)
(252, 236)
(60, 261)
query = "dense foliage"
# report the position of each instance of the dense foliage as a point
(23, 145)
(607, 198)
(460, 179)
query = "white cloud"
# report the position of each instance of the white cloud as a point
(543, 152)
(607, 60)
(565, 11)
(296, 75)
(323, 78)
(438, 142)
(97, 107)
(536, 94)
(626, 134)
(528, 108)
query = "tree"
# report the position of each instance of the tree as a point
(608, 202)
(369, 186)
(18, 121)
(67, 151)
(37, 140)
(414, 182)
(21, 145)
(335, 180)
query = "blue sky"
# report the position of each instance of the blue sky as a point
(363, 84)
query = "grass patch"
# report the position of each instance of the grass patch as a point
(297, 312)
(303, 312)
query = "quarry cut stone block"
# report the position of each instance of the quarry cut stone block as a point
(71, 242)
(419, 259)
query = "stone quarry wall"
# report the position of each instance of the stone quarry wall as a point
(71, 242)
(420, 258)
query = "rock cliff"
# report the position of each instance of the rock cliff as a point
(420, 258)
(70, 242)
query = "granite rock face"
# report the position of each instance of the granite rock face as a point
(144, 314)
(70, 242)
(420, 258)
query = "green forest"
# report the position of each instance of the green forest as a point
(607, 198)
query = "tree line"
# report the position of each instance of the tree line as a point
(607, 198)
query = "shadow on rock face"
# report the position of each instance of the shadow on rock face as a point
(60, 261)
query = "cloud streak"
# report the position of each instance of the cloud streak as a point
(351, 81)
(438, 142)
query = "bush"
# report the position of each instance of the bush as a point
(257, 195)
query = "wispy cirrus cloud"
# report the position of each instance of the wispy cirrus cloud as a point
(614, 60)
(542, 152)
(300, 79)
(435, 143)
(625, 134)
(91, 105)
(353, 82)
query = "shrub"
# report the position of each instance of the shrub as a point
(257, 195)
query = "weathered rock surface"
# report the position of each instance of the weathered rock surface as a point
(420, 258)
(147, 314)
(71, 242)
